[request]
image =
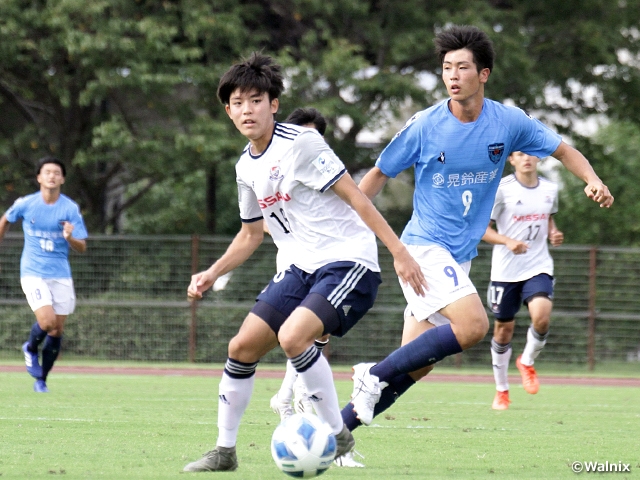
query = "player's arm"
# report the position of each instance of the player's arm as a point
(239, 250)
(406, 267)
(4, 226)
(372, 183)
(494, 238)
(78, 245)
(577, 164)
(556, 237)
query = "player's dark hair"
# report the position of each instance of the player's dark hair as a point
(472, 38)
(258, 72)
(45, 160)
(305, 116)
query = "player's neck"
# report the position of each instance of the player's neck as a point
(528, 179)
(467, 110)
(260, 144)
(50, 195)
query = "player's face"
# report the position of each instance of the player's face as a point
(252, 114)
(523, 163)
(461, 77)
(50, 176)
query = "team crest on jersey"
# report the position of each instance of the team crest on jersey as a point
(274, 173)
(496, 150)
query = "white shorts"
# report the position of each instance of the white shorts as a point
(57, 292)
(447, 280)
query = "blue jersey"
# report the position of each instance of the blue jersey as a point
(45, 253)
(458, 167)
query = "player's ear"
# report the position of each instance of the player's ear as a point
(275, 104)
(484, 75)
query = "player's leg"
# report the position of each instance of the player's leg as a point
(254, 339)
(397, 385)
(452, 293)
(301, 401)
(40, 300)
(280, 403)
(500, 357)
(341, 294)
(504, 300)
(64, 303)
(538, 294)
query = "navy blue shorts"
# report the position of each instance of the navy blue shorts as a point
(339, 293)
(505, 298)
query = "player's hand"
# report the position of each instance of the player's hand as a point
(599, 192)
(200, 283)
(409, 272)
(67, 229)
(556, 237)
(517, 247)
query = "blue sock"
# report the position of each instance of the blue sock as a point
(430, 347)
(50, 352)
(349, 417)
(36, 337)
(397, 386)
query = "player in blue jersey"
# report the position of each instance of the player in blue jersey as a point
(324, 225)
(457, 149)
(52, 223)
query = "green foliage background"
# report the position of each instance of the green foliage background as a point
(124, 91)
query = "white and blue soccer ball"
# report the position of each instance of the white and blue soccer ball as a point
(303, 446)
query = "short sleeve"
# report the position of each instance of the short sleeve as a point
(315, 164)
(248, 202)
(16, 211)
(404, 149)
(498, 205)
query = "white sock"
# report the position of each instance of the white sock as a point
(285, 394)
(233, 399)
(535, 344)
(318, 381)
(500, 356)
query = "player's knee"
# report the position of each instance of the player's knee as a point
(503, 331)
(292, 344)
(241, 350)
(49, 324)
(476, 330)
(541, 325)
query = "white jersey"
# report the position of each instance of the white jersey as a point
(523, 213)
(289, 185)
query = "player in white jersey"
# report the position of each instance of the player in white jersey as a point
(292, 395)
(457, 149)
(521, 268)
(289, 177)
(51, 223)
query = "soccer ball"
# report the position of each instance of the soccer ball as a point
(303, 446)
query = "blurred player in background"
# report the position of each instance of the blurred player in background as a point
(289, 177)
(457, 149)
(52, 223)
(521, 268)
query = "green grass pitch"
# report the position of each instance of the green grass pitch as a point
(148, 427)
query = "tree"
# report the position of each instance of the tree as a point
(616, 148)
(125, 91)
